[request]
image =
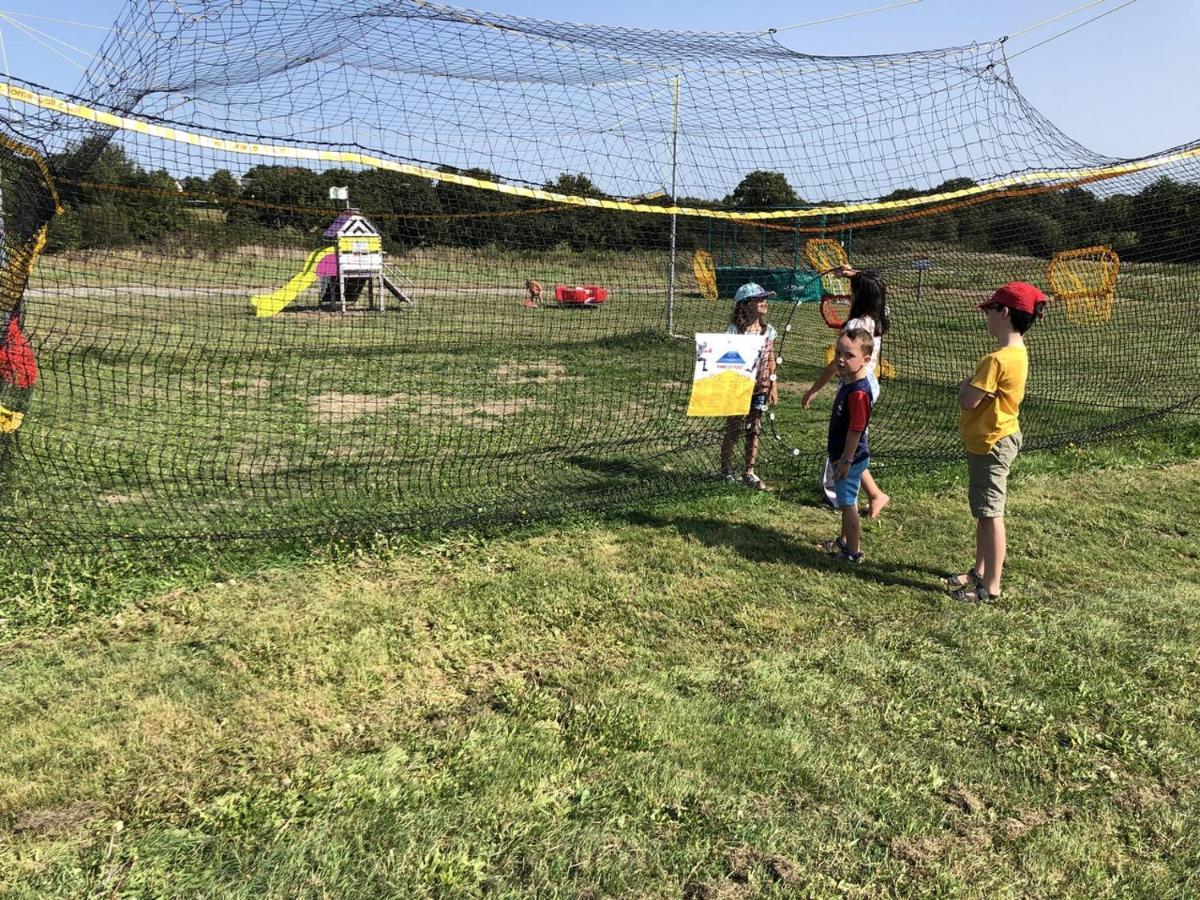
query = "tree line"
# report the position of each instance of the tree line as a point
(114, 202)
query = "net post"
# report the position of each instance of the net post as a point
(674, 162)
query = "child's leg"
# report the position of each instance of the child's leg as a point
(991, 547)
(851, 528)
(979, 554)
(753, 429)
(876, 499)
(733, 425)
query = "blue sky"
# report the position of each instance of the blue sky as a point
(1123, 85)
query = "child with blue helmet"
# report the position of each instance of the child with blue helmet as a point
(750, 317)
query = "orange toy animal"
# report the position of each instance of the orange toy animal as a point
(533, 293)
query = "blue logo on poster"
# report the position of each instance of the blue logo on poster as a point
(732, 358)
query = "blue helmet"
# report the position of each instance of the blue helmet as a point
(751, 291)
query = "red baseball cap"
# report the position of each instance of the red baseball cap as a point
(1017, 295)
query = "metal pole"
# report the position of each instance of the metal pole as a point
(674, 164)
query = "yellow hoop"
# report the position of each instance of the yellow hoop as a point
(1086, 280)
(706, 274)
(824, 254)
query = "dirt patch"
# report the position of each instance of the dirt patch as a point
(717, 890)
(1018, 826)
(65, 819)
(959, 796)
(916, 850)
(338, 407)
(473, 415)
(250, 387)
(505, 407)
(115, 499)
(744, 861)
(540, 371)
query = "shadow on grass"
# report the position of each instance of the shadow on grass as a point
(757, 543)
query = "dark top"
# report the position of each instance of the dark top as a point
(851, 412)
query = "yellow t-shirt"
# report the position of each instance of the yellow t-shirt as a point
(1002, 373)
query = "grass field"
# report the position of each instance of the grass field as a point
(686, 701)
(681, 698)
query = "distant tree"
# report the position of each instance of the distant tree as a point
(404, 208)
(472, 219)
(1166, 216)
(762, 190)
(194, 185)
(110, 201)
(223, 184)
(284, 197)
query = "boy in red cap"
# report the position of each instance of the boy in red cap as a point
(988, 405)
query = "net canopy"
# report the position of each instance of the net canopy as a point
(199, 342)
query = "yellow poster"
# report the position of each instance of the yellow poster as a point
(725, 374)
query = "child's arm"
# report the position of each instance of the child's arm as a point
(970, 396)
(822, 380)
(860, 415)
(982, 385)
(769, 362)
(842, 467)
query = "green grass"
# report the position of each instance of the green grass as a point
(684, 701)
(678, 699)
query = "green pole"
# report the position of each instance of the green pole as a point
(796, 252)
(735, 233)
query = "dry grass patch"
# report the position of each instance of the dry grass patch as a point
(539, 371)
(338, 407)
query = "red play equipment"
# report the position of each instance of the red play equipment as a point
(17, 364)
(581, 295)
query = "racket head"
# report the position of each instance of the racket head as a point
(835, 309)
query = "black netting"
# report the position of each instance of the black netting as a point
(142, 396)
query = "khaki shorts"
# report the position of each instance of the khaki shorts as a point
(988, 481)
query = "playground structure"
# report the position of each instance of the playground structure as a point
(584, 295)
(354, 263)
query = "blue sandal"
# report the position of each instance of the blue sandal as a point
(838, 551)
(975, 593)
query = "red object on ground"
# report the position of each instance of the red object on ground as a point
(581, 295)
(17, 364)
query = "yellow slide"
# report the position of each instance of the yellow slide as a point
(270, 304)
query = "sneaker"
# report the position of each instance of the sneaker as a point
(753, 482)
(722, 475)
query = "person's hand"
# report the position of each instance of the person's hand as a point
(844, 271)
(773, 396)
(841, 470)
(808, 397)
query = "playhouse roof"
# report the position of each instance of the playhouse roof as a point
(344, 222)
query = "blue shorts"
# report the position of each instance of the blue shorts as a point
(758, 403)
(846, 490)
